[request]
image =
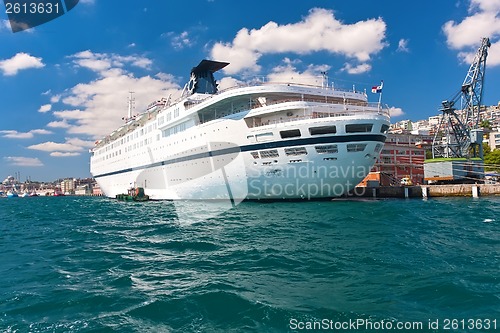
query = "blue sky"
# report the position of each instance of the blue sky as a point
(65, 83)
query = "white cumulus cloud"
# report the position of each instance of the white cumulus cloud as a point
(13, 134)
(45, 108)
(104, 62)
(23, 161)
(95, 108)
(403, 45)
(358, 69)
(289, 73)
(319, 31)
(20, 61)
(71, 147)
(396, 112)
(483, 21)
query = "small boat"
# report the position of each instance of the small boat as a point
(134, 194)
(33, 194)
(12, 194)
(58, 193)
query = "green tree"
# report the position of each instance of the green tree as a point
(492, 161)
(485, 124)
(486, 149)
(428, 154)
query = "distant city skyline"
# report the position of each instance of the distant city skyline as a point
(64, 84)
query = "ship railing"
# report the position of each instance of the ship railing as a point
(318, 114)
(261, 83)
(254, 103)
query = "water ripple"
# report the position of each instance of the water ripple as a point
(77, 264)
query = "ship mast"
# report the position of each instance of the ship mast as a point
(131, 101)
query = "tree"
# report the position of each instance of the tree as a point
(486, 149)
(485, 124)
(492, 161)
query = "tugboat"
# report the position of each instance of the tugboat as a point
(134, 194)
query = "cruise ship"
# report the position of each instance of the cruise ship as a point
(256, 141)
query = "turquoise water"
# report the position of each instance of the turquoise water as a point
(85, 264)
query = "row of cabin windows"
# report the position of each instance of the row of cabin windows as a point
(349, 128)
(322, 149)
(125, 139)
(168, 116)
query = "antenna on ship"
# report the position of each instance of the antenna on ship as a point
(324, 82)
(131, 101)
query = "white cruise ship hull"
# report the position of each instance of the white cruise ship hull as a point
(293, 148)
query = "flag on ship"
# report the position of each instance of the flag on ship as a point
(378, 89)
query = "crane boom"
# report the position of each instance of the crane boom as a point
(457, 131)
(457, 150)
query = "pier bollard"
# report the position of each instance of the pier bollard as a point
(374, 192)
(475, 191)
(406, 193)
(424, 191)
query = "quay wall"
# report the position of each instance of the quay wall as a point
(419, 191)
(462, 190)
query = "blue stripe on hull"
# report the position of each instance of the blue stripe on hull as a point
(254, 147)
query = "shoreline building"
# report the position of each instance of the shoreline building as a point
(402, 156)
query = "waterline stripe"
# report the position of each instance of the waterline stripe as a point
(253, 147)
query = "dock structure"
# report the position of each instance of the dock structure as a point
(427, 191)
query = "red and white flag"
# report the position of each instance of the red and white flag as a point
(378, 89)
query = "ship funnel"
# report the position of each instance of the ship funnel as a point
(202, 77)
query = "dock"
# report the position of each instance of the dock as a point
(427, 191)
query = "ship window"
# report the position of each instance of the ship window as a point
(323, 130)
(355, 147)
(327, 149)
(255, 154)
(264, 136)
(290, 134)
(269, 153)
(358, 128)
(384, 128)
(295, 151)
(378, 147)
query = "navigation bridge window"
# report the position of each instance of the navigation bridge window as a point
(358, 128)
(290, 134)
(323, 130)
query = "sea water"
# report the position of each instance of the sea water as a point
(90, 264)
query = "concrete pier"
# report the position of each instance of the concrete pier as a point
(463, 190)
(428, 191)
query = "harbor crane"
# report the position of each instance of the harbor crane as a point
(457, 150)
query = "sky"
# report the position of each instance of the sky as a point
(64, 84)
